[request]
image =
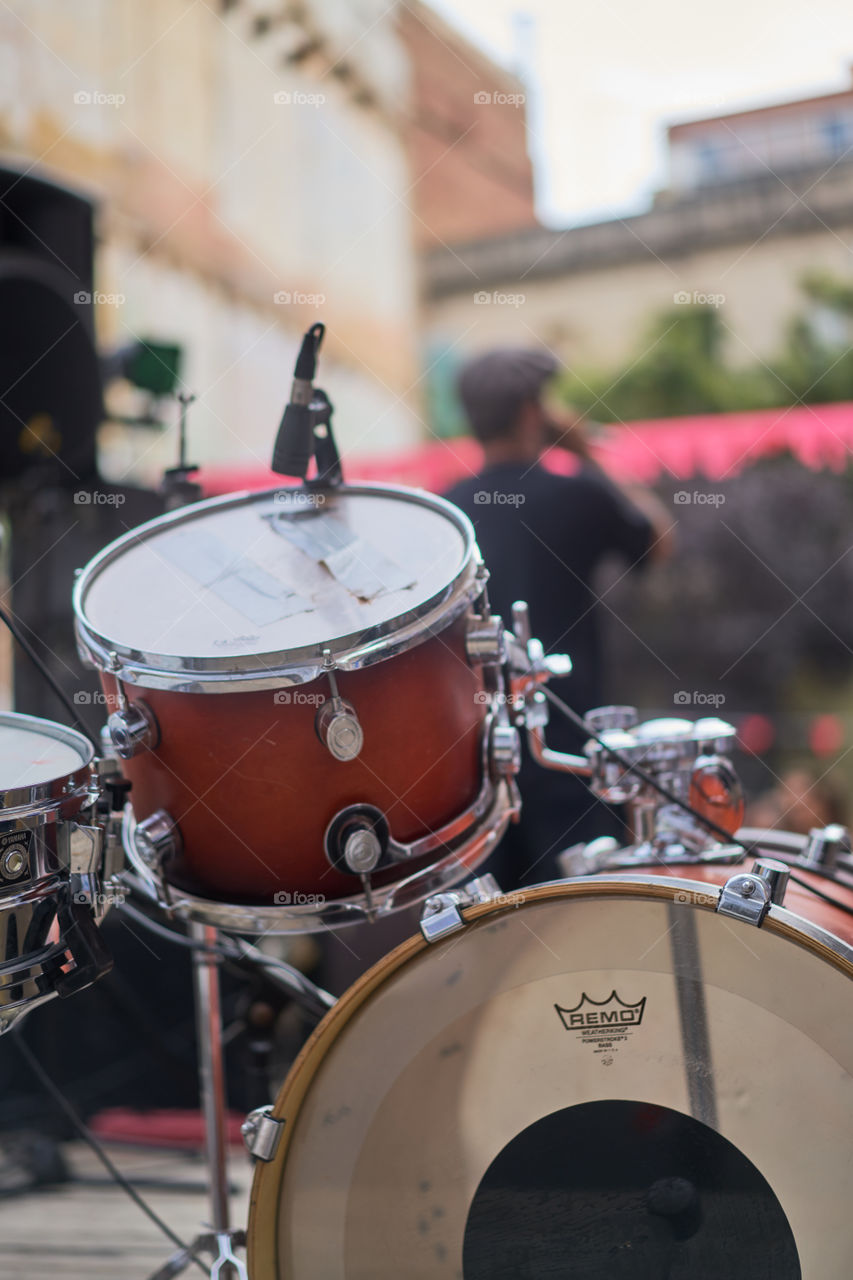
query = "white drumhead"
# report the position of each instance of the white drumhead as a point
(273, 573)
(542, 1035)
(33, 752)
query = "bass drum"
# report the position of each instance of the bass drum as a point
(602, 1078)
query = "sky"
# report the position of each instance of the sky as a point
(605, 77)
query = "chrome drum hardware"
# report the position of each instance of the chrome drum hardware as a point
(54, 851)
(689, 759)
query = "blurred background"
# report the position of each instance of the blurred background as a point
(660, 195)
(663, 200)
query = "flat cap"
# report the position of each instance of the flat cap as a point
(505, 373)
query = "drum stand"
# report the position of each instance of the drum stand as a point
(221, 1240)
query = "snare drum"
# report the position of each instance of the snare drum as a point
(306, 690)
(605, 1078)
(50, 864)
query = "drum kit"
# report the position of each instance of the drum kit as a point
(642, 1070)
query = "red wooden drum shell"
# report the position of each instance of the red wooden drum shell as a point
(797, 899)
(253, 789)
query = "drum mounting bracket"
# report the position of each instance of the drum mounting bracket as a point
(442, 913)
(746, 897)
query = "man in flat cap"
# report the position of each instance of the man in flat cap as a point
(543, 536)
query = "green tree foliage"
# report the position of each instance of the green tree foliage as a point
(816, 363)
(681, 369)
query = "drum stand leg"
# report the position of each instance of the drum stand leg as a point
(220, 1240)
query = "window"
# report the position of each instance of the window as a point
(837, 133)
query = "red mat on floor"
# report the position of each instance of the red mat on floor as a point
(183, 1130)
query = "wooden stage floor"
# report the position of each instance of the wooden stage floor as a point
(91, 1230)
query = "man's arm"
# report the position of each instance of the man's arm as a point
(569, 431)
(663, 525)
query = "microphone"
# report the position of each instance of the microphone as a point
(295, 444)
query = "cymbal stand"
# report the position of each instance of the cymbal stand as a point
(222, 1240)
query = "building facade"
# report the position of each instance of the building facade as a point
(466, 134)
(741, 243)
(782, 137)
(251, 177)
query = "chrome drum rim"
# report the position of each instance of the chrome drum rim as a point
(232, 673)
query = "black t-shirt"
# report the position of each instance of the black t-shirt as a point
(542, 537)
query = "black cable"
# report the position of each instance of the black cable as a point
(172, 935)
(237, 952)
(314, 1000)
(42, 667)
(630, 767)
(819, 893)
(89, 1138)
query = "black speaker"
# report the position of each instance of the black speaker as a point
(50, 381)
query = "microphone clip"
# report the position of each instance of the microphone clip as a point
(329, 472)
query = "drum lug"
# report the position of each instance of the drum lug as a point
(485, 640)
(775, 875)
(157, 839)
(746, 897)
(131, 729)
(825, 846)
(337, 724)
(442, 913)
(339, 730)
(504, 751)
(262, 1133)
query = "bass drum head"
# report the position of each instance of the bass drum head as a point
(601, 1079)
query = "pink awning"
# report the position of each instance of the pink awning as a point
(717, 446)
